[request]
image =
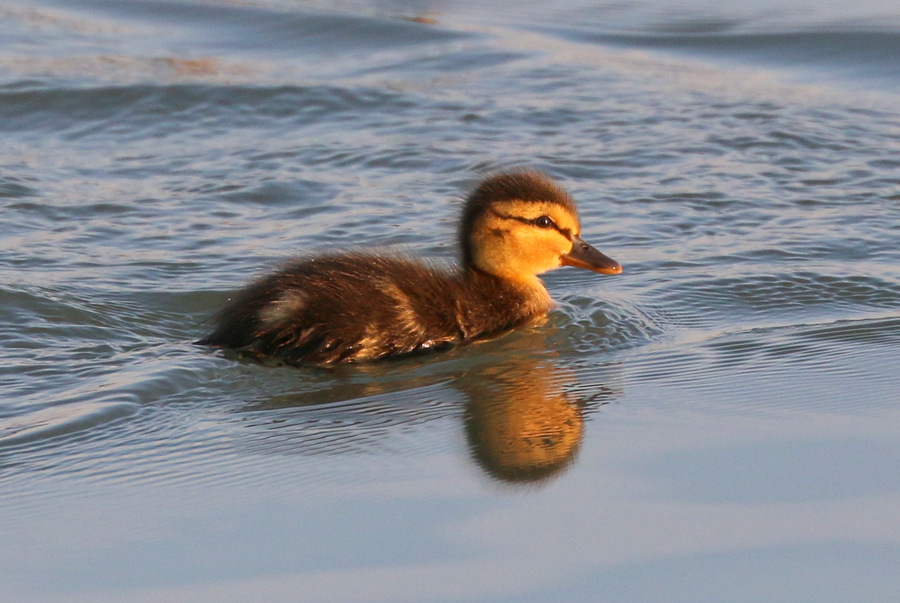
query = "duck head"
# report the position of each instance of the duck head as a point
(518, 225)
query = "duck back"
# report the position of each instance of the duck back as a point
(360, 307)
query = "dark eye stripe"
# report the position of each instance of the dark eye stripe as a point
(563, 231)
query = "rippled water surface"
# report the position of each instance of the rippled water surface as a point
(720, 422)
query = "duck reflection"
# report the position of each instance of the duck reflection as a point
(521, 425)
(523, 414)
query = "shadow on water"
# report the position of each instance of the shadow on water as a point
(521, 411)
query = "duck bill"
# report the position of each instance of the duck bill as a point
(585, 256)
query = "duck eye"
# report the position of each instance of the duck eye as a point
(543, 222)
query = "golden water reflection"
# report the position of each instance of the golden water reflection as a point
(520, 424)
(522, 413)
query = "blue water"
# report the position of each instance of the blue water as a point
(723, 415)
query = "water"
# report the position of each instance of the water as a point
(723, 416)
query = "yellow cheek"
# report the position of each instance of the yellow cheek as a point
(515, 250)
(541, 250)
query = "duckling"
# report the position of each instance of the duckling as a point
(359, 307)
